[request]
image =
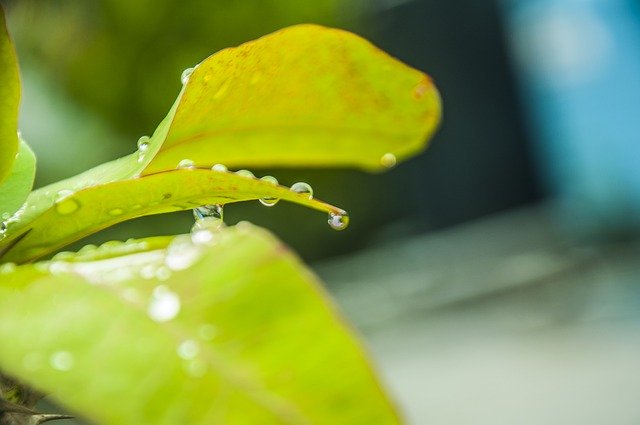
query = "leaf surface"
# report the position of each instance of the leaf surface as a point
(93, 208)
(232, 329)
(303, 96)
(9, 100)
(15, 189)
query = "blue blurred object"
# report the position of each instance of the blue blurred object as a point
(579, 63)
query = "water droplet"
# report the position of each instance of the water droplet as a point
(221, 168)
(207, 332)
(269, 201)
(143, 143)
(204, 230)
(184, 77)
(388, 160)
(164, 305)
(62, 360)
(63, 256)
(116, 212)
(245, 173)
(338, 221)
(163, 273)
(186, 163)
(89, 248)
(209, 211)
(302, 188)
(188, 349)
(181, 253)
(67, 206)
(7, 268)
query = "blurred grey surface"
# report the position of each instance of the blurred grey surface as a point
(500, 321)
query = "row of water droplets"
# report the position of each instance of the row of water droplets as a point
(337, 220)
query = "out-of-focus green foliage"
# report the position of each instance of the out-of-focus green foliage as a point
(231, 330)
(9, 100)
(15, 189)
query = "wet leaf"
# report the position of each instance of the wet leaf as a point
(232, 329)
(303, 96)
(9, 100)
(15, 189)
(78, 214)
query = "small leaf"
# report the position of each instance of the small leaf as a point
(79, 214)
(234, 330)
(15, 189)
(9, 100)
(302, 96)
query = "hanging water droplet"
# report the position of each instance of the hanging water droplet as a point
(184, 77)
(339, 220)
(62, 360)
(164, 305)
(245, 173)
(67, 206)
(188, 349)
(302, 188)
(209, 211)
(269, 201)
(221, 168)
(143, 143)
(388, 160)
(186, 163)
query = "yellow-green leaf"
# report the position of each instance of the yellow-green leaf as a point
(15, 189)
(303, 96)
(9, 100)
(233, 330)
(78, 214)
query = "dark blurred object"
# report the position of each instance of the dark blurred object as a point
(580, 69)
(478, 162)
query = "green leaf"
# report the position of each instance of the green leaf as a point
(15, 189)
(81, 213)
(9, 100)
(225, 329)
(303, 96)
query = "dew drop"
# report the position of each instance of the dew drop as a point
(388, 160)
(188, 349)
(338, 221)
(143, 143)
(164, 304)
(116, 212)
(184, 77)
(245, 173)
(302, 188)
(209, 211)
(7, 268)
(67, 206)
(269, 201)
(221, 168)
(204, 230)
(186, 163)
(62, 360)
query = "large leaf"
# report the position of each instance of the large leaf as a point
(227, 328)
(81, 213)
(303, 96)
(15, 189)
(9, 100)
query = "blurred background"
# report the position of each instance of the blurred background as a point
(496, 277)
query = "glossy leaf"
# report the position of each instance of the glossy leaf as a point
(232, 329)
(78, 214)
(9, 100)
(303, 96)
(15, 189)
